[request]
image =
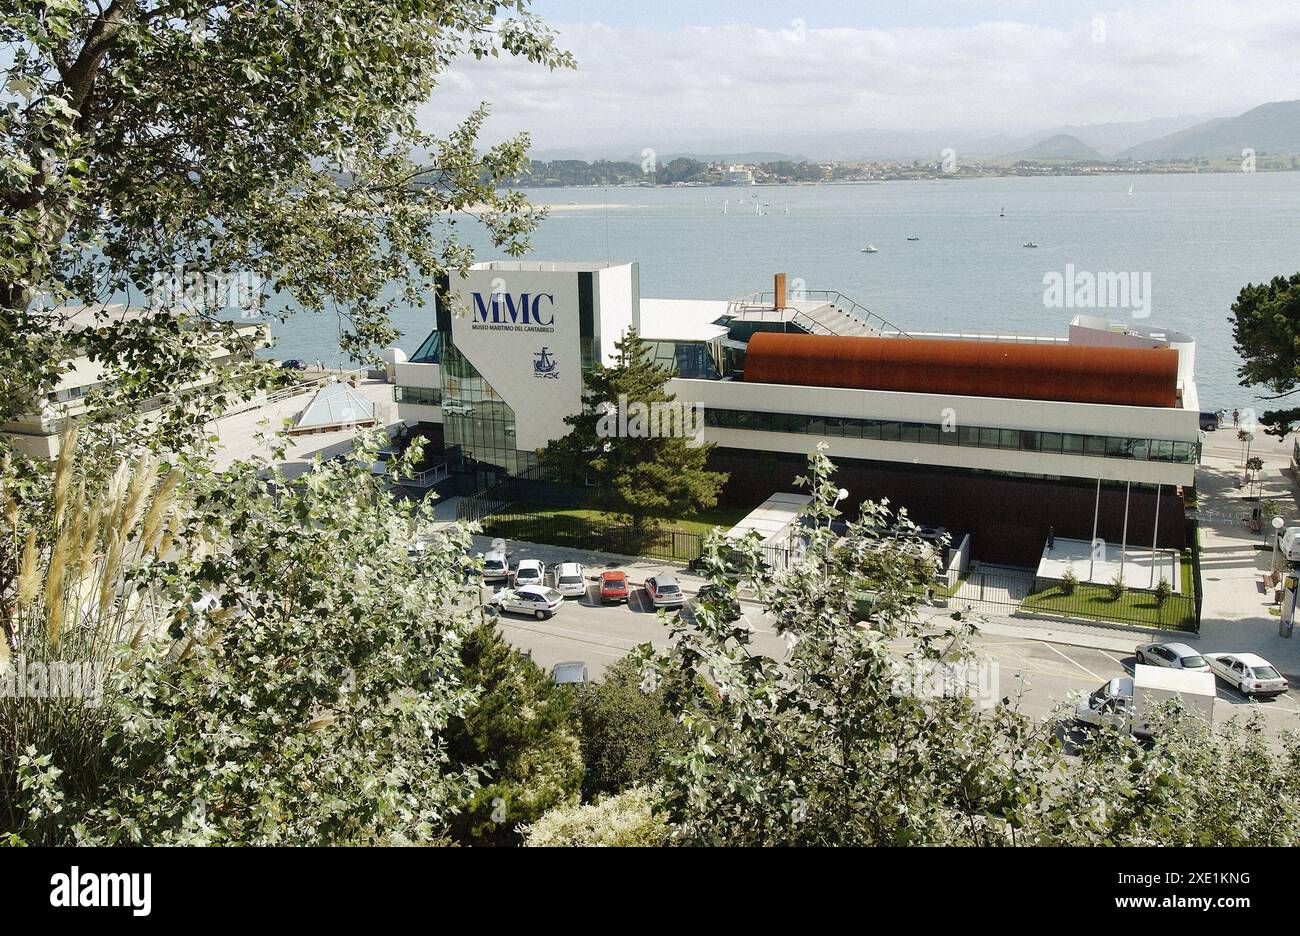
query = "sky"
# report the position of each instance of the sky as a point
(674, 75)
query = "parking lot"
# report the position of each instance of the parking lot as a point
(1038, 675)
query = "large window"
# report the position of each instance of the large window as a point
(1019, 440)
(423, 396)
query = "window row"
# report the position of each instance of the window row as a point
(1022, 440)
(424, 396)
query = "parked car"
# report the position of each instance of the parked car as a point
(571, 579)
(293, 364)
(1209, 421)
(726, 602)
(530, 572)
(1251, 674)
(570, 674)
(536, 600)
(1173, 655)
(613, 586)
(496, 566)
(664, 591)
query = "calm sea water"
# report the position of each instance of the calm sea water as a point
(1200, 237)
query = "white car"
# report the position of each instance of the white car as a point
(1250, 673)
(571, 579)
(536, 600)
(530, 572)
(1172, 655)
(496, 567)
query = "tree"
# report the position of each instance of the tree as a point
(867, 732)
(252, 644)
(1266, 333)
(625, 730)
(271, 139)
(645, 465)
(518, 735)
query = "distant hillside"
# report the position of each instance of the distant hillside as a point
(1061, 146)
(1269, 128)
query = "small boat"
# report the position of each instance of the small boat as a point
(1130, 188)
(871, 248)
(1028, 244)
(1002, 213)
(913, 237)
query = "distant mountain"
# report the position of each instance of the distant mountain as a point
(1269, 128)
(1061, 146)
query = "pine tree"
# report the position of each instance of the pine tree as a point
(644, 466)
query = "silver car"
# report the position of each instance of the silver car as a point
(570, 674)
(664, 591)
(1172, 655)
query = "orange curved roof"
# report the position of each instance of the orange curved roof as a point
(1067, 373)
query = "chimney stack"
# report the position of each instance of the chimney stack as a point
(778, 292)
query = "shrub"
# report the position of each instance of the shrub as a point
(624, 731)
(1116, 587)
(1163, 591)
(623, 821)
(1069, 582)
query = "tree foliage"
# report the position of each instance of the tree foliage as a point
(519, 735)
(627, 820)
(626, 731)
(854, 740)
(644, 476)
(1266, 332)
(278, 669)
(275, 139)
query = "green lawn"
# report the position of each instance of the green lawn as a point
(588, 528)
(1132, 607)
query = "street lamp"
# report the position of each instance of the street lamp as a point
(1278, 523)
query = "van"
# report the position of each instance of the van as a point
(1134, 702)
(1290, 544)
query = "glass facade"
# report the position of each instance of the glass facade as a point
(1054, 443)
(691, 359)
(478, 427)
(423, 396)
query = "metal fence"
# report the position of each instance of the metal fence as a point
(1008, 593)
(664, 544)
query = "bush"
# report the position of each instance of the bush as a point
(624, 731)
(519, 735)
(623, 821)
(1069, 582)
(1163, 591)
(1116, 587)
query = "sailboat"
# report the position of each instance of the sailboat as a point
(1002, 213)
(1130, 188)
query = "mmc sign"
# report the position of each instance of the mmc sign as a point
(514, 312)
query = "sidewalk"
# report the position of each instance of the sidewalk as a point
(1235, 611)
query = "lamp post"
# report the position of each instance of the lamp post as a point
(1278, 523)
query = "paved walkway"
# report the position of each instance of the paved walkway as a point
(1235, 613)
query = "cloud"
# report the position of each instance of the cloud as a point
(667, 88)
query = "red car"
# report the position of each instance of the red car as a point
(613, 587)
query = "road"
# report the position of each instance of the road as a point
(1039, 674)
